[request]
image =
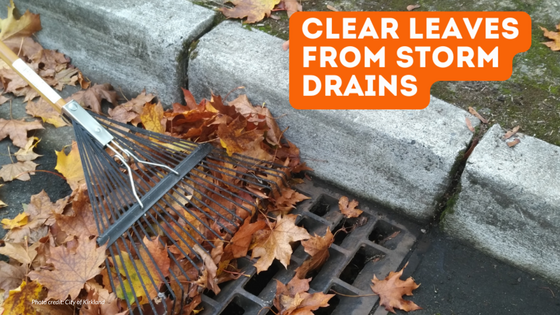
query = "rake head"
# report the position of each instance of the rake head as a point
(161, 205)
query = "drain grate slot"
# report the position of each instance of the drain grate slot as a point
(361, 249)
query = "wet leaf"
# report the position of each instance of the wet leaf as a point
(554, 45)
(70, 166)
(349, 208)
(254, 10)
(392, 289)
(17, 130)
(274, 243)
(20, 300)
(73, 267)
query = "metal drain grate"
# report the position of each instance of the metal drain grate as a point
(354, 258)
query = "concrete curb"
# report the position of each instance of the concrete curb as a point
(121, 42)
(401, 159)
(509, 206)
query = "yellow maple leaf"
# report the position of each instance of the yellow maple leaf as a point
(20, 300)
(20, 220)
(26, 25)
(70, 166)
(254, 10)
(152, 116)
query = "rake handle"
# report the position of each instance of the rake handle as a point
(34, 80)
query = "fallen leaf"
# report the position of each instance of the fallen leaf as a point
(46, 112)
(240, 242)
(42, 211)
(70, 166)
(293, 298)
(20, 300)
(254, 10)
(20, 251)
(66, 77)
(292, 6)
(286, 45)
(18, 170)
(26, 153)
(287, 200)
(469, 125)
(275, 243)
(133, 286)
(513, 143)
(349, 209)
(11, 276)
(208, 279)
(19, 220)
(17, 130)
(152, 117)
(24, 26)
(318, 247)
(391, 290)
(2, 204)
(82, 222)
(477, 115)
(554, 45)
(108, 302)
(158, 253)
(131, 110)
(73, 267)
(330, 7)
(511, 132)
(412, 7)
(93, 96)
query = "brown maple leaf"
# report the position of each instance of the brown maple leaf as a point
(157, 252)
(26, 153)
(287, 200)
(82, 222)
(318, 247)
(73, 267)
(93, 96)
(21, 252)
(11, 276)
(17, 130)
(555, 36)
(254, 10)
(392, 289)
(108, 301)
(275, 242)
(240, 242)
(46, 112)
(70, 166)
(292, 6)
(293, 298)
(131, 110)
(20, 300)
(18, 170)
(349, 208)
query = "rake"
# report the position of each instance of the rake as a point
(147, 188)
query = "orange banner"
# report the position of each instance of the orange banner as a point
(389, 60)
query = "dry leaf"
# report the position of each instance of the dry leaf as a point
(391, 290)
(24, 26)
(469, 125)
(20, 300)
(318, 247)
(46, 112)
(330, 7)
(152, 118)
(72, 268)
(511, 132)
(292, 6)
(287, 200)
(412, 7)
(137, 281)
(19, 220)
(349, 209)
(82, 222)
(70, 166)
(17, 130)
(11, 276)
(477, 115)
(293, 298)
(131, 110)
(254, 10)
(240, 242)
(93, 96)
(26, 153)
(20, 251)
(513, 143)
(19, 171)
(2, 204)
(554, 45)
(286, 45)
(275, 243)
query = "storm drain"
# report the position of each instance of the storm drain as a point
(375, 243)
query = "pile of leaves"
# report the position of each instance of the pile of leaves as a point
(51, 245)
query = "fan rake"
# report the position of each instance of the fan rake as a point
(160, 203)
